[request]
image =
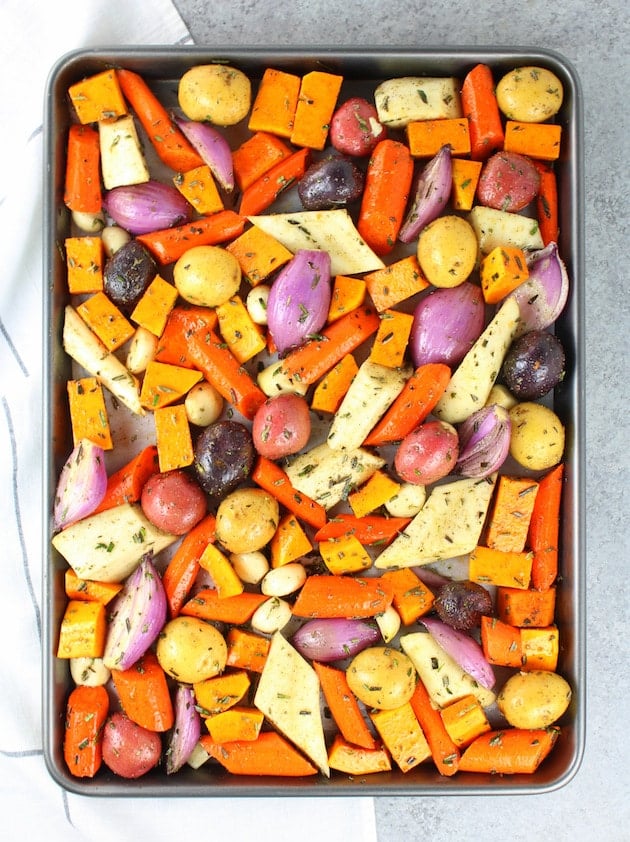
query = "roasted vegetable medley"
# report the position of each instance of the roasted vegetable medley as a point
(311, 513)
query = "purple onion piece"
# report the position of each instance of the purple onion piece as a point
(446, 324)
(484, 442)
(431, 578)
(329, 640)
(82, 484)
(150, 206)
(213, 149)
(543, 296)
(299, 299)
(137, 617)
(463, 649)
(186, 729)
(431, 195)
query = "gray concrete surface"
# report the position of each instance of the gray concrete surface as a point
(594, 36)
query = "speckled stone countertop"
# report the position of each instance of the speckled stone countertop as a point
(594, 37)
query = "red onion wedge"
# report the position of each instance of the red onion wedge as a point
(82, 484)
(484, 442)
(146, 207)
(431, 195)
(299, 299)
(137, 616)
(213, 149)
(542, 297)
(186, 729)
(463, 649)
(446, 324)
(334, 639)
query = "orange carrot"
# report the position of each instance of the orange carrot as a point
(89, 590)
(547, 204)
(443, 750)
(220, 367)
(412, 598)
(544, 529)
(343, 706)
(182, 569)
(168, 244)
(479, 105)
(342, 596)
(385, 195)
(510, 752)
(315, 358)
(170, 143)
(418, 397)
(126, 484)
(86, 712)
(370, 529)
(269, 476)
(256, 156)
(501, 643)
(173, 347)
(247, 650)
(83, 179)
(235, 610)
(266, 189)
(144, 695)
(536, 140)
(270, 754)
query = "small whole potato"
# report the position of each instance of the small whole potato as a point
(173, 501)
(215, 93)
(529, 94)
(447, 251)
(537, 436)
(382, 677)
(203, 404)
(247, 520)
(534, 699)
(428, 453)
(129, 750)
(191, 650)
(207, 275)
(281, 426)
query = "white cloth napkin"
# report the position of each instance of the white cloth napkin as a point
(32, 805)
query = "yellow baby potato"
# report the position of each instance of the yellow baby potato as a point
(537, 437)
(534, 699)
(207, 276)
(382, 677)
(529, 94)
(247, 520)
(191, 650)
(447, 251)
(215, 93)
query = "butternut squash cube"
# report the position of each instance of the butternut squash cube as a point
(82, 633)
(154, 308)
(173, 438)
(403, 736)
(88, 413)
(502, 270)
(345, 555)
(200, 189)
(105, 320)
(98, 98)
(84, 263)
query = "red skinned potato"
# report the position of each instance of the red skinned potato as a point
(428, 453)
(508, 182)
(282, 426)
(129, 750)
(355, 128)
(173, 501)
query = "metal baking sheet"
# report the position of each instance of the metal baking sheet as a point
(362, 70)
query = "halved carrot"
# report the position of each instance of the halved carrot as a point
(342, 596)
(126, 484)
(86, 712)
(270, 476)
(270, 754)
(513, 751)
(479, 105)
(547, 204)
(544, 529)
(171, 145)
(258, 154)
(220, 367)
(82, 190)
(385, 195)
(235, 610)
(182, 569)
(173, 347)
(443, 750)
(501, 642)
(144, 694)
(312, 360)
(168, 244)
(370, 529)
(266, 189)
(343, 705)
(536, 140)
(417, 399)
